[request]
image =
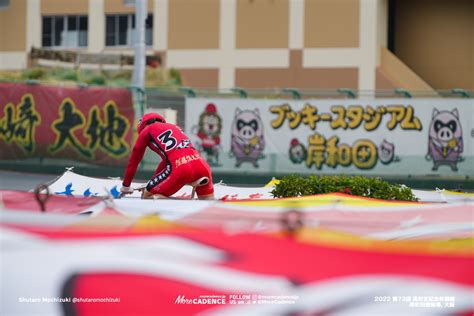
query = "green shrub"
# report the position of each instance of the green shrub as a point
(121, 74)
(295, 185)
(155, 77)
(121, 83)
(175, 77)
(67, 75)
(11, 75)
(34, 73)
(96, 80)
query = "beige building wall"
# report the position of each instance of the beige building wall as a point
(297, 76)
(13, 27)
(96, 22)
(384, 82)
(61, 7)
(282, 43)
(193, 24)
(200, 78)
(117, 7)
(262, 24)
(331, 23)
(13, 35)
(305, 44)
(435, 38)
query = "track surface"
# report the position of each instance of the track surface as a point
(11, 180)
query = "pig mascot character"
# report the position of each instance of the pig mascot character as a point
(247, 142)
(445, 143)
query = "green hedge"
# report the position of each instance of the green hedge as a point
(295, 185)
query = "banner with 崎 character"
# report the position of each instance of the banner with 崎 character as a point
(89, 124)
(324, 136)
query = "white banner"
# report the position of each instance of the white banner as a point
(377, 136)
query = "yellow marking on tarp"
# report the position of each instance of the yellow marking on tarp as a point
(321, 200)
(436, 246)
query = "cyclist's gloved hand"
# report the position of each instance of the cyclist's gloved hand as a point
(126, 190)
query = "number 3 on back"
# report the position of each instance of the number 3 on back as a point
(168, 141)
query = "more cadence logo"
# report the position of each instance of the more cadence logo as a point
(202, 300)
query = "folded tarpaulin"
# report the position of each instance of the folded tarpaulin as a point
(214, 273)
(370, 218)
(71, 183)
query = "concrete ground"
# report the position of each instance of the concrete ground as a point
(12, 180)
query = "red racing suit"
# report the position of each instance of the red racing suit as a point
(181, 163)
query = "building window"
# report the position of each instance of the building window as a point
(65, 31)
(120, 29)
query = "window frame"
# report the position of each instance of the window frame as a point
(65, 29)
(129, 32)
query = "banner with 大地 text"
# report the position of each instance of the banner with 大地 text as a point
(84, 124)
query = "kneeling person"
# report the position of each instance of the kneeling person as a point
(180, 164)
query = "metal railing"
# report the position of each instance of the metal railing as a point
(294, 93)
(284, 93)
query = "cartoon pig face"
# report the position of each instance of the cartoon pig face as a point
(386, 152)
(247, 124)
(445, 125)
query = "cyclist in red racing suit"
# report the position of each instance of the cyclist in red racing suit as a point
(181, 164)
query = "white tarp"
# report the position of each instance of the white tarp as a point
(71, 183)
(38, 271)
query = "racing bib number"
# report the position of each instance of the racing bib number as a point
(168, 141)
